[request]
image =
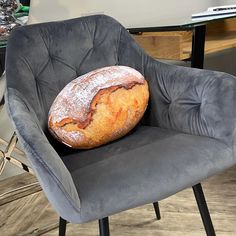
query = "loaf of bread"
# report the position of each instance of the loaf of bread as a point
(98, 107)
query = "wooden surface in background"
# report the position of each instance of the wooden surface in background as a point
(32, 214)
(17, 187)
(24, 209)
(168, 45)
(177, 45)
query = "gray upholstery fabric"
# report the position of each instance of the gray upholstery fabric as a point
(149, 164)
(187, 134)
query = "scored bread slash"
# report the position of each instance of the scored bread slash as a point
(85, 88)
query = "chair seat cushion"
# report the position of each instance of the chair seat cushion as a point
(148, 165)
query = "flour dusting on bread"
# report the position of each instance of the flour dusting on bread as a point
(122, 93)
(85, 87)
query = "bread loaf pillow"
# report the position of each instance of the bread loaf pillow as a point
(98, 107)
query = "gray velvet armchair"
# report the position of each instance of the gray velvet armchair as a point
(186, 135)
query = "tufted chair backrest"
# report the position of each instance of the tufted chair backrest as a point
(56, 53)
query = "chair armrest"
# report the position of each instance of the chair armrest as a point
(51, 172)
(188, 100)
(194, 101)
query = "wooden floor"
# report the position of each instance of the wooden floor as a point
(27, 212)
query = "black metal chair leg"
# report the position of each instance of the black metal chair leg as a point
(104, 227)
(202, 206)
(62, 227)
(157, 210)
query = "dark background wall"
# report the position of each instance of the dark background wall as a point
(222, 61)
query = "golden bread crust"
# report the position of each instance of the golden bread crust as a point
(113, 112)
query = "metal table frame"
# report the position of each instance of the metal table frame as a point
(198, 29)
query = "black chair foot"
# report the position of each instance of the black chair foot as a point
(104, 227)
(202, 206)
(62, 227)
(157, 210)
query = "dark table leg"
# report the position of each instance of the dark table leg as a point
(2, 67)
(2, 59)
(198, 45)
